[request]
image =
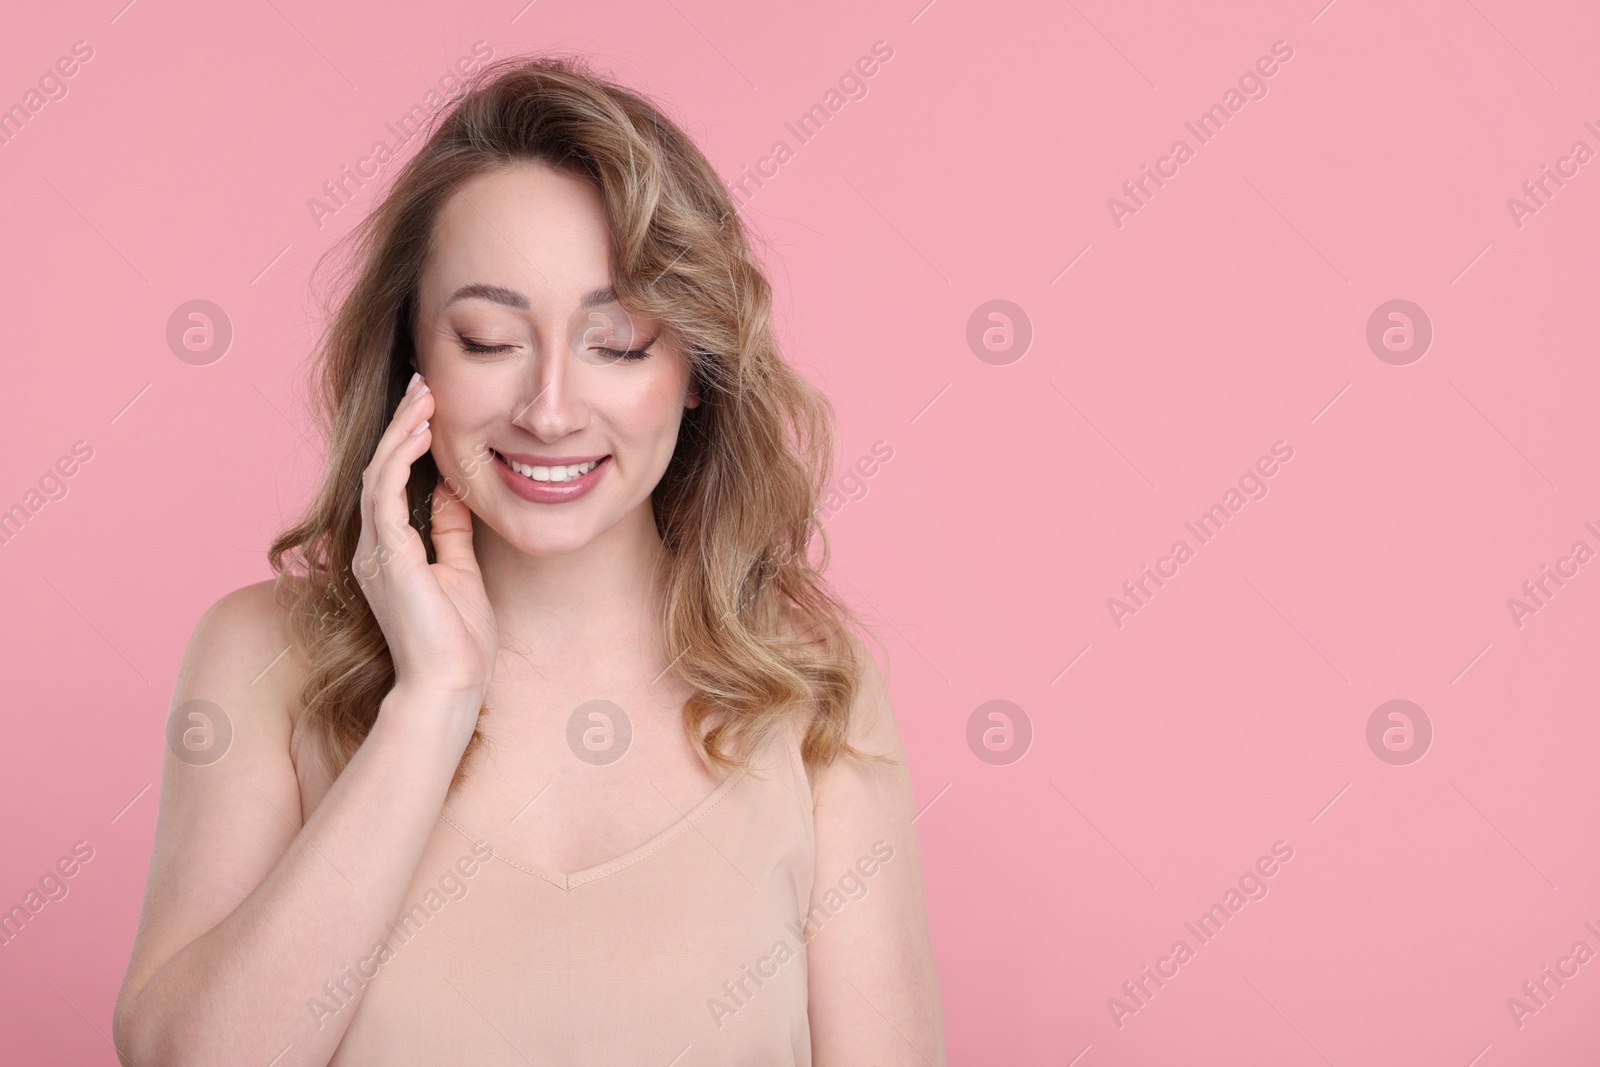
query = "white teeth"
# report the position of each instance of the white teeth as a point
(552, 474)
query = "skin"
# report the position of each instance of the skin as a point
(534, 607)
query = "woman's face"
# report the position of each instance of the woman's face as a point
(556, 410)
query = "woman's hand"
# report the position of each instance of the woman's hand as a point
(436, 617)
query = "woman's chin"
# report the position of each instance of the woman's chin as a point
(548, 543)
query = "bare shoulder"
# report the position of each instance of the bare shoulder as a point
(870, 727)
(872, 960)
(254, 616)
(230, 797)
(242, 656)
(872, 720)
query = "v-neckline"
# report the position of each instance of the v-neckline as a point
(568, 882)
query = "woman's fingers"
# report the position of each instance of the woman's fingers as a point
(435, 620)
(383, 507)
(398, 427)
(452, 530)
(389, 509)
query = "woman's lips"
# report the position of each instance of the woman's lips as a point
(548, 461)
(550, 492)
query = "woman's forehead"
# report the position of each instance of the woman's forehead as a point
(528, 230)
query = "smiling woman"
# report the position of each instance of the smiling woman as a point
(553, 599)
(480, 344)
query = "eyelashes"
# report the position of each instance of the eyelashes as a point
(627, 354)
(620, 354)
(469, 345)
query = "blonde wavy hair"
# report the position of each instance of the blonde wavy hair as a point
(750, 622)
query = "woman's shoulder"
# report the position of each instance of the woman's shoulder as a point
(243, 655)
(255, 618)
(867, 721)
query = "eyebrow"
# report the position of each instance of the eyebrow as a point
(499, 294)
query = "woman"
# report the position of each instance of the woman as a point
(548, 743)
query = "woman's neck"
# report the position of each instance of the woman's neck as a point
(598, 598)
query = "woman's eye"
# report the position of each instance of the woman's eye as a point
(624, 353)
(610, 354)
(469, 345)
(628, 354)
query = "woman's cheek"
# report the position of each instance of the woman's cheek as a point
(639, 410)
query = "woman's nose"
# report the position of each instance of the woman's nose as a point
(552, 407)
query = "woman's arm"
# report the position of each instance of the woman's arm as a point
(874, 995)
(247, 912)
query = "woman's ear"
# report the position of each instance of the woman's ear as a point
(692, 396)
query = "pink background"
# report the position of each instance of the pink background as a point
(1227, 314)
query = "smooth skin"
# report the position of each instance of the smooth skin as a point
(267, 877)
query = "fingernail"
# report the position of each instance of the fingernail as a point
(412, 384)
(422, 388)
(423, 425)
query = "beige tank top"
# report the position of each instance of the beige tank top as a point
(687, 951)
